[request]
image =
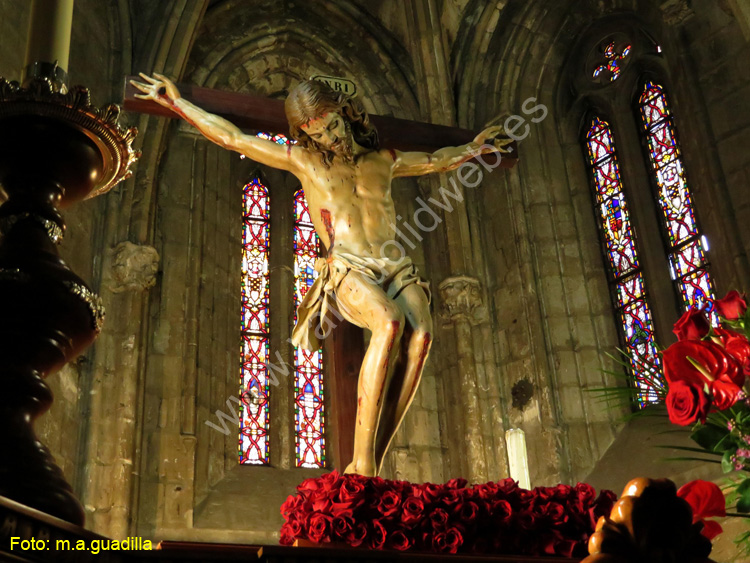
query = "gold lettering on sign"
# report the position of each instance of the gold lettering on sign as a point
(338, 84)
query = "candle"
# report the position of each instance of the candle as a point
(49, 33)
(517, 458)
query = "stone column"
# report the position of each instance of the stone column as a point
(462, 306)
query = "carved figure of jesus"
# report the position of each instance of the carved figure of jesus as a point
(346, 178)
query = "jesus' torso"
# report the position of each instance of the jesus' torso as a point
(351, 205)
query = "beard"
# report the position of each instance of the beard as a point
(344, 147)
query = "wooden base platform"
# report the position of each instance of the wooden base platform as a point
(171, 551)
(60, 542)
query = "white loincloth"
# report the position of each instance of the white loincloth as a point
(392, 276)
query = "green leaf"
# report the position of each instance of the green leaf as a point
(744, 487)
(727, 466)
(708, 436)
(686, 449)
(721, 446)
(691, 459)
(743, 505)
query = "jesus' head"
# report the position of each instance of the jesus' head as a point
(326, 121)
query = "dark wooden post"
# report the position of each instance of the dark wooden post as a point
(344, 351)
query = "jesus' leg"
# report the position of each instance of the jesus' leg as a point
(403, 385)
(366, 305)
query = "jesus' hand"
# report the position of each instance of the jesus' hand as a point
(160, 89)
(494, 136)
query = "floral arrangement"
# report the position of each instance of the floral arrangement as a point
(705, 386)
(707, 372)
(492, 518)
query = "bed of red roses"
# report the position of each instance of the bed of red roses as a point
(492, 518)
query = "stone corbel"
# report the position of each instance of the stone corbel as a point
(676, 12)
(462, 299)
(134, 267)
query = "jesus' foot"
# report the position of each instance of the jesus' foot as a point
(360, 468)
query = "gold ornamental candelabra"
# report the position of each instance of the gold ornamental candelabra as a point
(56, 149)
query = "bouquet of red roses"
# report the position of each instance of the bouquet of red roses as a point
(707, 367)
(492, 518)
(707, 372)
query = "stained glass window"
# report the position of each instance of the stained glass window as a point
(254, 391)
(280, 139)
(614, 58)
(619, 240)
(309, 414)
(687, 256)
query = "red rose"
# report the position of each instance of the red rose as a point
(452, 497)
(351, 491)
(586, 493)
(718, 369)
(706, 499)
(507, 486)
(562, 492)
(319, 527)
(687, 403)
(308, 486)
(526, 520)
(603, 505)
(357, 535)
(342, 526)
(501, 510)
(486, 491)
(399, 540)
(290, 505)
(467, 512)
(378, 484)
(732, 307)
(555, 512)
(413, 508)
(554, 543)
(389, 503)
(439, 518)
(377, 540)
(341, 509)
(430, 492)
(692, 325)
(448, 541)
(330, 480)
(456, 484)
(453, 539)
(295, 526)
(287, 537)
(321, 504)
(543, 493)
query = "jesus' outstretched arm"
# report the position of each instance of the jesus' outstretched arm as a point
(491, 139)
(217, 129)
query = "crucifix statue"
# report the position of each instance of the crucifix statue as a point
(364, 277)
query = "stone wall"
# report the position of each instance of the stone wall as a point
(552, 313)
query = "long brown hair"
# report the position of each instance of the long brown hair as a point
(312, 99)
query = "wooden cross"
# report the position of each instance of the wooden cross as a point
(256, 113)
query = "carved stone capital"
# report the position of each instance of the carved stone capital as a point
(461, 297)
(134, 267)
(676, 12)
